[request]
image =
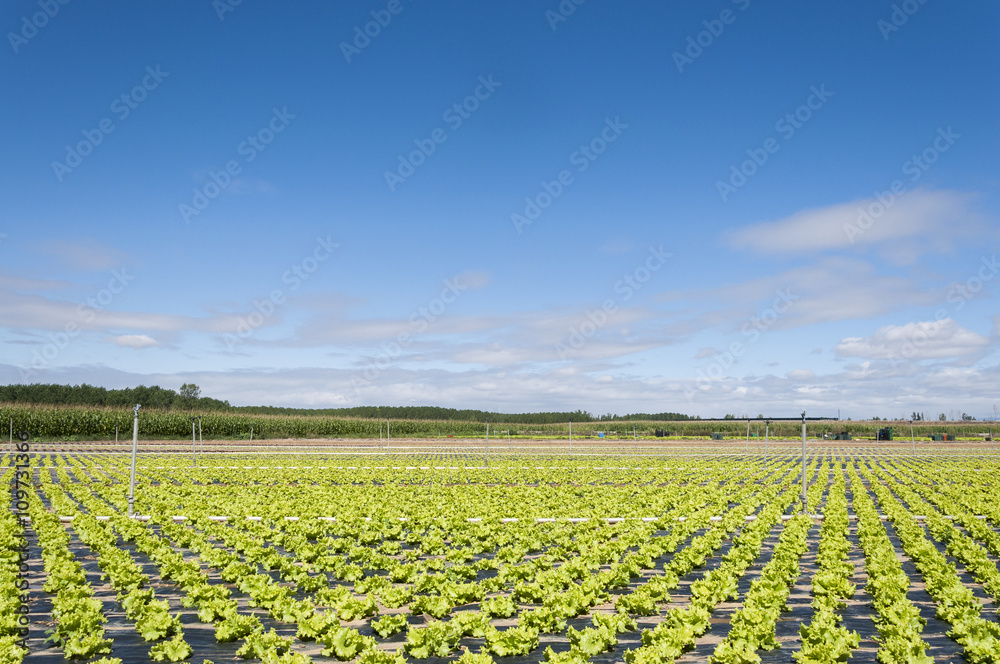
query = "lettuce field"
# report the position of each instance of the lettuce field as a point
(435, 557)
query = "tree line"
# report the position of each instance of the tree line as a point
(90, 395)
(425, 413)
(189, 398)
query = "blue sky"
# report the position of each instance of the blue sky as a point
(728, 207)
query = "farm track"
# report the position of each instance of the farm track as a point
(562, 480)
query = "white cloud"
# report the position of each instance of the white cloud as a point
(86, 255)
(862, 390)
(135, 341)
(912, 223)
(925, 340)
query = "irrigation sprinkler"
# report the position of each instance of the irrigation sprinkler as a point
(194, 443)
(767, 430)
(11, 434)
(201, 441)
(135, 445)
(487, 463)
(571, 436)
(116, 434)
(804, 462)
(251, 436)
(387, 435)
(913, 443)
(380, 434)
(746, 450)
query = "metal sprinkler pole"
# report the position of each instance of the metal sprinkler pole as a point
(135, 445)
(251, 436)
(487, 442)
(201, 441)
(804, 462)
(387, 435)
(571, 436)
(767, 430)
(913, 443)
(11, 434)
(746, 450)
(116, 434)
(194, 443)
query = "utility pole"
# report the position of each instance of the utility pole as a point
(135, 445)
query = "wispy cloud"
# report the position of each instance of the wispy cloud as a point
(904, 227)
(86, 255)
(832, 289)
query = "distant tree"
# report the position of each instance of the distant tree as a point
(943, 417)
(190, 391)
(760, 416)
(729, 416)
(967, 418)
